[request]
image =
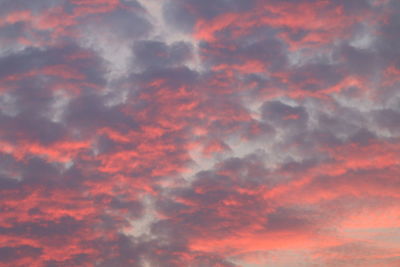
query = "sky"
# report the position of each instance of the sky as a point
(199, 133)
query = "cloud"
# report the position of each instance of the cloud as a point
(199, 133)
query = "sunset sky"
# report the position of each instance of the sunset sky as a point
(199, 133)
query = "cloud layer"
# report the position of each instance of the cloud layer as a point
(199, 133)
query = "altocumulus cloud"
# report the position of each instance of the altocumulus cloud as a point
(199, 133)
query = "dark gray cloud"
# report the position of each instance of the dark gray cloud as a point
(8, 254)
(388, 119)
(158, 54)
(284, 115)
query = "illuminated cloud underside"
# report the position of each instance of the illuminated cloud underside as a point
(199, 133)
